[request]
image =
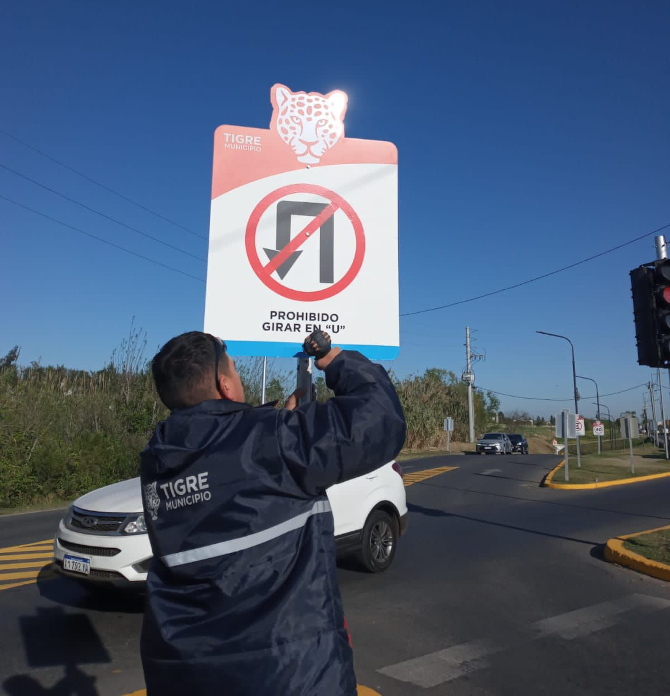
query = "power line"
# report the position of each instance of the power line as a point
(540, 277)
(97, 183)
(571, 399)
(97, 212)
(100, 239)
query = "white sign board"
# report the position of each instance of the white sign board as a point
(598, 429)
(449, 425)
(628, 427)
(564, 420)
(303, 233)
(580, 428)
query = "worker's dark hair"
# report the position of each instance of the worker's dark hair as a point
(183, 369)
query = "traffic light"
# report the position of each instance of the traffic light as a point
(662, 304)
(651, 306)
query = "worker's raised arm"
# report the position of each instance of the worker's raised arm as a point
(360, 429)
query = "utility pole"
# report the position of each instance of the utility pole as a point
(665, 435)
(469, 378)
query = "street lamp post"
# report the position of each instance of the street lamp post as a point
(598, 400)
(574, 385)
(609, 417)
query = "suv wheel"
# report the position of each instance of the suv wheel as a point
(380, 538)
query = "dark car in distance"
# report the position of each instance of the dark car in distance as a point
(519, 443)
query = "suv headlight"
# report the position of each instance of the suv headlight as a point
(135, 524)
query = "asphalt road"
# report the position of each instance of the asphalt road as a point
(498, 587)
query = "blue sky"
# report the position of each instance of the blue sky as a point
(531, 135)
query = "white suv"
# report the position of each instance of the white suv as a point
(103, 536)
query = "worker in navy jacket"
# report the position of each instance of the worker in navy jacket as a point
(243, 598)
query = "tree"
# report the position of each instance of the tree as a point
(492, 405)
(322, 391)
(552, 420)
(10, 359)
(275, 391)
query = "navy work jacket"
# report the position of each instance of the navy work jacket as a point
(242, 594)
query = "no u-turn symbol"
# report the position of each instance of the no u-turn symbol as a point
(285, 211)
(283, 257)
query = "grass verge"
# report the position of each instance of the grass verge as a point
(37, 507)
(615, 465)
(655, 546)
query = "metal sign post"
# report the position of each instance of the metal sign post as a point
(629, 429)
(304, 381)
(448, 427)
(565, 428)
(628, 433)
(265, 379)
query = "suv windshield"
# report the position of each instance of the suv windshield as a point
(515, 438)
(492, 436)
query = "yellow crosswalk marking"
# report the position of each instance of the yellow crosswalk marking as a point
(419, 476)
(24, 548)
(25, 556)
(36, 554)
(19, 576)
(39, 543)
(17, 584)
(18, 566)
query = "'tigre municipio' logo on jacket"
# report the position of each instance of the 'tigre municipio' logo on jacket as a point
(179, 493)
(152, 500)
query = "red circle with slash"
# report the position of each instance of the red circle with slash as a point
(264, 272)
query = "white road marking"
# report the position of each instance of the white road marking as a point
(444, 665)
(491, 471)
(576, 624)
(454, 662)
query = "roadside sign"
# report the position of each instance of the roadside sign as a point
(628, 427)
(580, 428)
(303, 233)
(598, 429)
(449, 428)
(565, 420)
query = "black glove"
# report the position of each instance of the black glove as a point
(322, 341)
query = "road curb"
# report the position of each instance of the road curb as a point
(549, 483)
(616, 553)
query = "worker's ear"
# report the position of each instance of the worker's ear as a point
(224, 387)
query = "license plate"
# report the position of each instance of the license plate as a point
(77, 564)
